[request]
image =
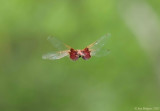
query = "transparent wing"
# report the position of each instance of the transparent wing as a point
(58, 44)
(97, 47)
(100, 53)
(55, 55)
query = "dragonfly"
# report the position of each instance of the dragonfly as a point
(64, 50)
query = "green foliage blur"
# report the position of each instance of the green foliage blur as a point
(121, 81)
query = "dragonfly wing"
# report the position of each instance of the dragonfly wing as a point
(55, 55)
(100, 53)
(58, 44)
(97, 46)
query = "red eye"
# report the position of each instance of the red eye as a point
(86, 53)
(73, 54)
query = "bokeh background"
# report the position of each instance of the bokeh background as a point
(127, 79)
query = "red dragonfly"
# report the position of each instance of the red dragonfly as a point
(93, 49)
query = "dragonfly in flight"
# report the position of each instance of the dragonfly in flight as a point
(64, 50)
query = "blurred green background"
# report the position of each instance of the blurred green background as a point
(124, 80)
